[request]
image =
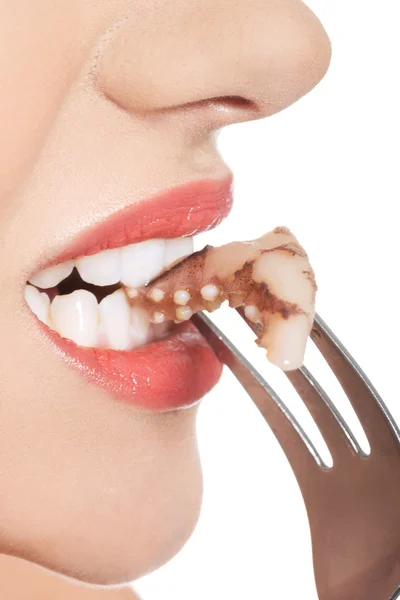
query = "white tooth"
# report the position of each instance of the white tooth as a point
(102, 341)
(142, 262)
(38, 302)
(115, 314)
(177, 248)
(140, 327)
(103, 268)
(53, 275)
(76, 316)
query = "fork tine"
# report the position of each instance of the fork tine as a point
(396, 595)
(330, 422)
(301, 453)
(337, 435)
(374, 415)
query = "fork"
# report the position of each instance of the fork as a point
(353, 508)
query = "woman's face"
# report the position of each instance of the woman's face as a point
(105, 105)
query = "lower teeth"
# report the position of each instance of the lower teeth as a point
(110, 323)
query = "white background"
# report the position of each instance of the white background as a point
(327, 168)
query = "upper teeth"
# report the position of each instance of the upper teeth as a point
(52, 276)
(103, 268)
(142, 262)
(132, 265)
(112, 323)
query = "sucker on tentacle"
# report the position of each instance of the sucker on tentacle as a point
(270, 277)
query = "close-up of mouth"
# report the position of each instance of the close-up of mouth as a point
(120, 311)
(81, 299)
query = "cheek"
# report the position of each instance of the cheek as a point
(46, 43)
(36, 71)
(112, 494)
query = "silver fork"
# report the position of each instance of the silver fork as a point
(354, 507)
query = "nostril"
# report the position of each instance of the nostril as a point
(228, 110)
(219, 111)
(234, 102)
(227, 102)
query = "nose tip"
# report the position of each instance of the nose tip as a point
(283, 59)
(270, 59)
(298, 58)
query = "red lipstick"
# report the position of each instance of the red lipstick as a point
(178, 212)
(178, 370)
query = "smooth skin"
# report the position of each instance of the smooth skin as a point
(103, 103)
(22, 580)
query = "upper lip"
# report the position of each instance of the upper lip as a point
(176, 212)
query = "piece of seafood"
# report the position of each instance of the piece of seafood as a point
(270, 277)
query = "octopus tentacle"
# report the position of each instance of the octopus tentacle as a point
(270, 277)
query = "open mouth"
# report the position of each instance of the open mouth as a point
(126, 300)
(87, 300)
(82, 297)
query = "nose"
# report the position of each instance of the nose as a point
(234, 60)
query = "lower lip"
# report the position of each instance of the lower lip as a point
(168, 374)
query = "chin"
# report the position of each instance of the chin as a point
(109, 497)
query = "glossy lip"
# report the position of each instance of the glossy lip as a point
(178, 212)
(162, 376)
(174, 372)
